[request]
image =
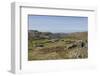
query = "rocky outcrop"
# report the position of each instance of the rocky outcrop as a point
(79, 44)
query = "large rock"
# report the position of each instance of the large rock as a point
(79, 44)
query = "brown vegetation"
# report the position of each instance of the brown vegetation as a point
(57, 46)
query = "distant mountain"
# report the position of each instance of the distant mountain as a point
(34, 34)
(43, 35)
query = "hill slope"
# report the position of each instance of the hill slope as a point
(47, 45)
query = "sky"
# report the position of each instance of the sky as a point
(57, 24)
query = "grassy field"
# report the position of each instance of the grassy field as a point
(70, 46)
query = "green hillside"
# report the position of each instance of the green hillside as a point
(51, 46)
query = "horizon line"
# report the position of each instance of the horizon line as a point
(57, 32)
